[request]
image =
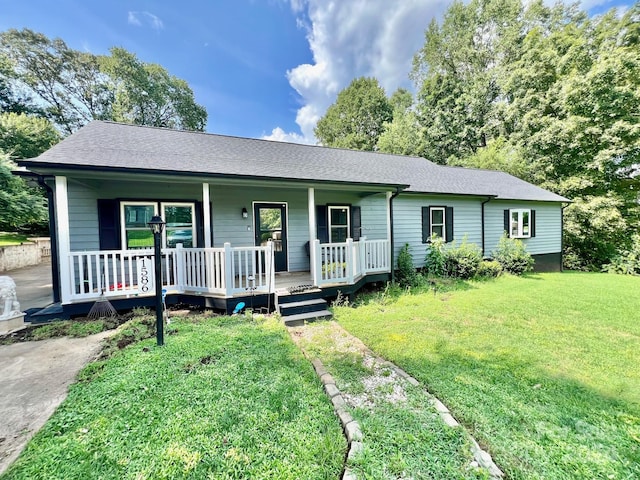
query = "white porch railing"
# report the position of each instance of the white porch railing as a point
(346, 263)
(226, 271)
(223, 271)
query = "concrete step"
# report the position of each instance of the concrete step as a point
(302, 318)
(302, 306)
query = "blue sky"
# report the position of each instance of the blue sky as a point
(262, 68)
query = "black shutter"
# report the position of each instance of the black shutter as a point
(109, 224)
(321, 223)
(507, 222)
(448, 221)
(532, 220)
(356, 223)
(199, 226)
(426, 227)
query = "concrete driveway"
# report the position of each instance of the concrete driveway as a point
(33, 285)
(34, 378)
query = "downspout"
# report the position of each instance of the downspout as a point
(482, 222)
(55, 261)
(562, 237)
(394, 195)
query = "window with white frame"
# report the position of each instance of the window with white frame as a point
(520, 223)
(178, 216)
(339, 224)
(437, 222)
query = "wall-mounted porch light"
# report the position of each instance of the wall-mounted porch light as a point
(245, 214)
(156, 224)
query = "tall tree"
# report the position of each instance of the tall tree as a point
(76, 87)
(23, 136)
(20, 205)
(146, 94)
(357, 118)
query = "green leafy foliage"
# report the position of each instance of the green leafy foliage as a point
(455, 261)
(435, 261)
(489, 269)
(357, 118)
(627, 262)
(76, 87)
(23, 136)
(406, 272)
(512, 255)
(21, 206)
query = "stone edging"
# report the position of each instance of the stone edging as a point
(354, 434)
(350, 426)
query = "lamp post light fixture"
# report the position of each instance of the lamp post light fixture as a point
(156, 224)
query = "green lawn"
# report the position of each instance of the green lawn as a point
(224, 398)
(544, 370)
(7, 239)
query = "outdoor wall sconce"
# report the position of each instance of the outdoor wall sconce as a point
(156, 224)
(245, 214)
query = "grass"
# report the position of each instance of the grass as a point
(403, 436)
(542, 369)
(7, 239)
(224, 398)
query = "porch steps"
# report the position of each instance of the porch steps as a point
(298, 309)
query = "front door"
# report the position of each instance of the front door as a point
(271, 225)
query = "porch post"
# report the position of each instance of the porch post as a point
(317, 262)
(180, 267)
(350, 261)
(206, 213)
(64, 242)
(389, 234)
(228, 269)
(312, 233)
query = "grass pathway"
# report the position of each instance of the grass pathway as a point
(404, 435)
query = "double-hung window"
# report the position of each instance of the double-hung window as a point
(437, 222)
(135, 217)
(339, 223)
(520, 223)
(180, 228)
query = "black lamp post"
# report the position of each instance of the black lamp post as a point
(156, 224)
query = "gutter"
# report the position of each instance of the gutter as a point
(391, 240)
(482, 221)
(562, 237)
(53, 236)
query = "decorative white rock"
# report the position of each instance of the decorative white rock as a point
(11, 318)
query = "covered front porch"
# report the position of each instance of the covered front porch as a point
(225, 272)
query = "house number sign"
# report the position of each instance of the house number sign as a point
(145, 275)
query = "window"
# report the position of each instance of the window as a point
(135, 231)
(437, 222)
(520, 223)
(180, 218)
(179, 228)
(338, 224)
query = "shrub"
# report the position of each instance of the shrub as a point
(462, 261)
(435, 260)
(406, 273)
(628, 262)
(513, 256)
(489, 269)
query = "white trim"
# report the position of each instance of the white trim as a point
(443, 224)
(286, 216)
(389, 205)
(520, 212)
(330, 226)
(64, 239)
(206, 214)
(311, 199)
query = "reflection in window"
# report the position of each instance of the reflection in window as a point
(180, 224)
(437, 222)
(136, 231)
(520, 225)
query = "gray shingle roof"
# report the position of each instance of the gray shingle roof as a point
(106, 145)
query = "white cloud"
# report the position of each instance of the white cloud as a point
(354, 38)
(147, 18)
(279, 135)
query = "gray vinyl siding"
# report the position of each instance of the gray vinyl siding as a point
(373, 210)
(548, 237)
(83, 217)
(407, 221)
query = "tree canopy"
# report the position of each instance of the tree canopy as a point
(357, 118)
(74, 87)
